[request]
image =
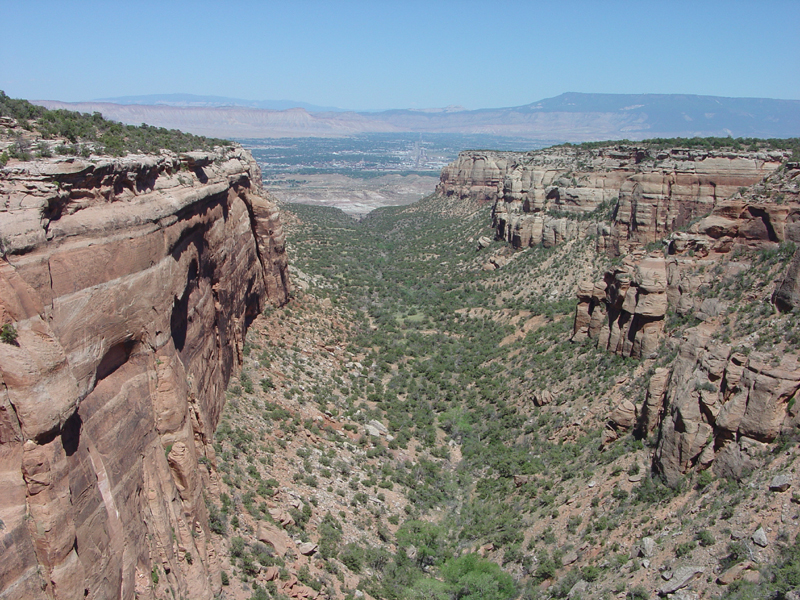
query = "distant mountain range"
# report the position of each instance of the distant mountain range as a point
(192, 100)
(572, 117)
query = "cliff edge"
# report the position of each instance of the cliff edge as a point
(126, 289)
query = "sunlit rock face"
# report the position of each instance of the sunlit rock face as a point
(545, 197)
(130, 283)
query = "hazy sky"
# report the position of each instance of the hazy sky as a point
(399, 53)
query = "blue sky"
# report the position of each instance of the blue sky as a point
(399, 54)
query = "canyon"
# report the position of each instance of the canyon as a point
(571, 362)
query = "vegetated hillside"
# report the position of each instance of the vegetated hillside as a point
(432, 431)
(41, 133)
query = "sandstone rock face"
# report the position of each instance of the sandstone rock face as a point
(632, 299)
(680, 579)
(787, 296)
(721, 407)
(543, 197)
(131, 283)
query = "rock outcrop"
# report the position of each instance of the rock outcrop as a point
(130, 284)
(631, 301)
(787, 296)
(712, 407)
(549, 196)
(723, 407)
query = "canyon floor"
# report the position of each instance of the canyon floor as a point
(387, 437)
(354, 196)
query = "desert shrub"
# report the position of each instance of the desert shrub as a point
(115, 138)
(638, 592)
(705, 537)
(352, 556)
(8, 334)
(473, 578)
(684, 549)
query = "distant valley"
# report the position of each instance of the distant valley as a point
(361, 173)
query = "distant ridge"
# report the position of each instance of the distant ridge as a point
(192, 100)
(573, 117)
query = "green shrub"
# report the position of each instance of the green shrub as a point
(705, 537)
(247, 383)
(352, 556)
(590, 573)
(473, 578)
(8, 334)
(638, 592)
(115, 138)
(704, 479)
(684, 549)
(547, 567)
(237, 547)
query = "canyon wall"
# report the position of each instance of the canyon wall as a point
(549, 196)
(129, 284)
(665, 217)
(626, 198)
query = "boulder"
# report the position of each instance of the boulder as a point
(780, 483)
(372, 431)
(734, 573)
(682, 577)
(759, 537)
(379, 426)
(569, 558)
(542, 398)
(648, 547)
(578, 589)
(751, 576)
(624, 414)
(272, 536)
(307, 548)
(281, 516)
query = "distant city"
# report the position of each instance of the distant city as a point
(370, 155)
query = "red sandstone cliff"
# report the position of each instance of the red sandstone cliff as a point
(712, 407)
(652, 192)
(130, 283)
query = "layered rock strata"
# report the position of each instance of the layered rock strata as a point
(722, 407)
(548, 196)
(714, 407)
(625, 311)
(130, 284)
(749, 219)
